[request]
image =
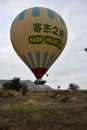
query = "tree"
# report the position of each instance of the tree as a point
(73, 87)
(15, 84)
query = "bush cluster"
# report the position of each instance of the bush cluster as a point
(14, 84)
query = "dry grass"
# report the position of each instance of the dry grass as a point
(44, 111)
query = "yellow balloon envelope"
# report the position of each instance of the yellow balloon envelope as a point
(38, 36)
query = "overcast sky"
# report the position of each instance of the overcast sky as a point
(71, 66)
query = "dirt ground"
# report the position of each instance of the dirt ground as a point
(44, 110)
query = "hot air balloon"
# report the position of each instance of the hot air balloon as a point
(38, 36)
(85, 49)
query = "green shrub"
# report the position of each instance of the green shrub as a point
(14, 84)
(24, 89)
(1, 93)
(6, 86)
(66, 99)
(5, 123)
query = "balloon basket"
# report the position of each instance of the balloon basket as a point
(39, 82)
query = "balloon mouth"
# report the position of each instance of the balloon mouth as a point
(39, 72)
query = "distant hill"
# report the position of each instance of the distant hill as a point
(31, 85)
